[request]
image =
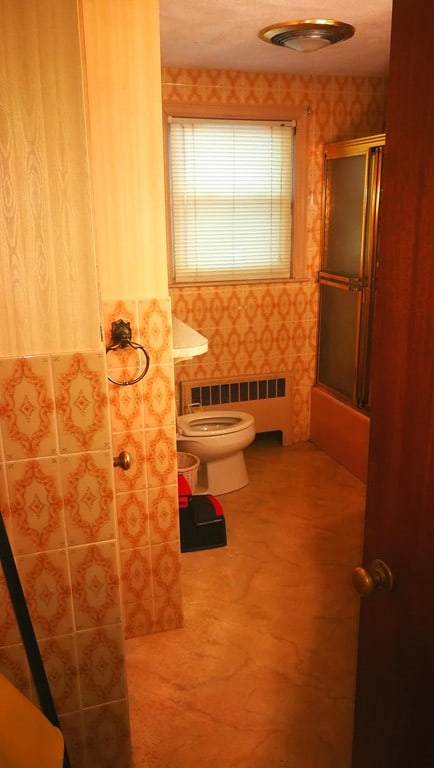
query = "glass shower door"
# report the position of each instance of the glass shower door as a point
(347, 271)
(337, 358)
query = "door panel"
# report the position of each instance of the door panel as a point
(395, 681)
(345, 205)
(363, 388)
(338, 332)
(351, 203)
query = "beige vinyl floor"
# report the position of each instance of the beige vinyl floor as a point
(262, 673)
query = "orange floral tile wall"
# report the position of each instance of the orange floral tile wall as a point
(57, 500)
(272, 327)
(97, 548)
(143, 425)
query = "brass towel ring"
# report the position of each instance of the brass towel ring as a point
(121, 337)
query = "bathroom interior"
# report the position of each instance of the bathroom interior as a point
(157, 658)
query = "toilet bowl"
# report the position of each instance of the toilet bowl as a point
(218, 439)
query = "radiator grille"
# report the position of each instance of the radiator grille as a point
(267, 398)
(238, 391)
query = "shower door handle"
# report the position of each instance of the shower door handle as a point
(340, 281)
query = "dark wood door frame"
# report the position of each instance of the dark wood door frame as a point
(394, 722)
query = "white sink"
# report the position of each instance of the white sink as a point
(186, 341)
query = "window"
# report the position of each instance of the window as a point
(231, 189)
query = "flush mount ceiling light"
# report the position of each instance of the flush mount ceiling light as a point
(307, 36)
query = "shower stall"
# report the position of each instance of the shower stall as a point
(341, 396)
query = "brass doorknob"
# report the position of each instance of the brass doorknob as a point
(378, 577)
(123, 460)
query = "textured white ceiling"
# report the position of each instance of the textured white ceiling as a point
(223, 34)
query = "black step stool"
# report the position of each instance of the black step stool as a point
(201, 520)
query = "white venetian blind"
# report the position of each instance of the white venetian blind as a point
(231, 199)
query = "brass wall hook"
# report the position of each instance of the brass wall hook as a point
(121, 334)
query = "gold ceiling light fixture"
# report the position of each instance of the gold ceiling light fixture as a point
(307, 35)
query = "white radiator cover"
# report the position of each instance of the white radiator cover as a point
(267, 397)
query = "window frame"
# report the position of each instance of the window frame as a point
(278, 112)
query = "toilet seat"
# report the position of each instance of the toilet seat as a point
(213, 423)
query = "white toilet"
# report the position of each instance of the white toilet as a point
(218, 439)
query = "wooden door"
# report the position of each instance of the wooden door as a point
(394, 720)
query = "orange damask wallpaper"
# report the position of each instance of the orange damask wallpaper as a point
(272, 327)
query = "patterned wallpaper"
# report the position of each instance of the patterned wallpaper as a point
(272, 327)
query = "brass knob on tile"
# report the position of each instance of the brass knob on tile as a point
(123, 460)
(378, 577)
